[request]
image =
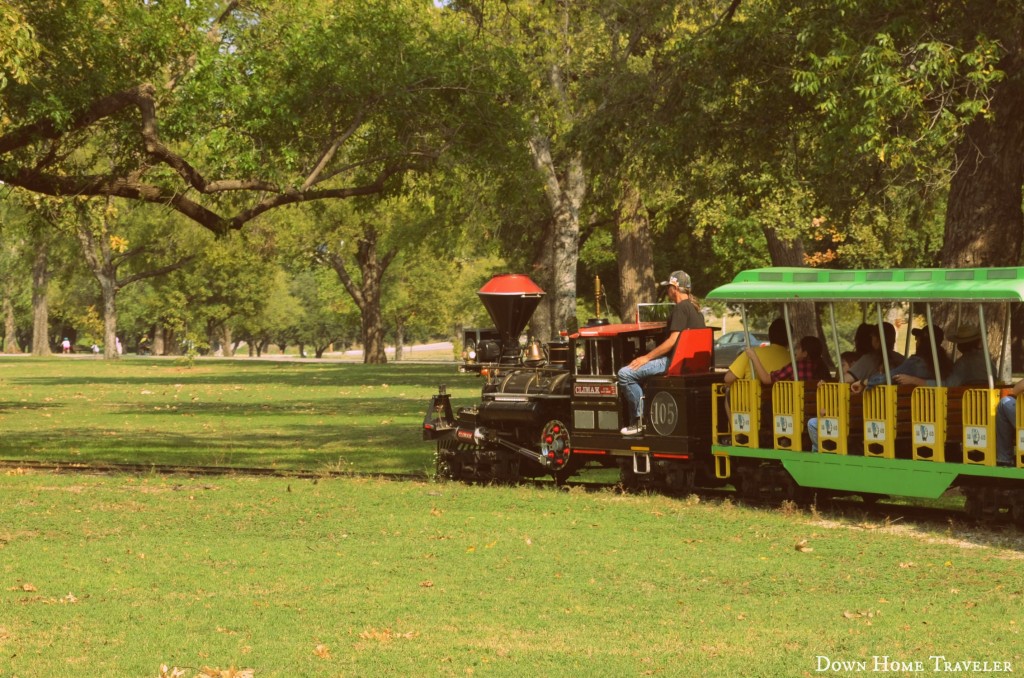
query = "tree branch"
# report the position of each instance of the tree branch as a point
(142, 275)
(332, 149)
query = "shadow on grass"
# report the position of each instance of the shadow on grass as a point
(280, 374)
(306, 448)
(374, 410)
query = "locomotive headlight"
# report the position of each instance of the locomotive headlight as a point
(471, 354)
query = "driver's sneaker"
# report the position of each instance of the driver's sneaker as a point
(632, 430)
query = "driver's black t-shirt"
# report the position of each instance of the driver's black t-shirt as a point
(685, 316)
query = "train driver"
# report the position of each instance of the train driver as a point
(686, 315)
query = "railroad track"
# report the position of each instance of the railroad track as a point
(173, 469)
(881, 511)
(176, 469)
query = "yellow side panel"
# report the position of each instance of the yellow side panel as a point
(745, 406)
(928, 415)
(979, 412)
(788, 415)
(833, 417)
(880, 422)
(1020, 432)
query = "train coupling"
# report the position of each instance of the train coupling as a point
(439, 420)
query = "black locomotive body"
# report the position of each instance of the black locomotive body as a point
(554, 409)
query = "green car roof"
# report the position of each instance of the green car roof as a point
(912, 284)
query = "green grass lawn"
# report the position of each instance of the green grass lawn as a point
(119, 575)
(116, 576)
(289, 415)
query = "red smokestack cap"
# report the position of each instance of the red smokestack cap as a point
(510, 300)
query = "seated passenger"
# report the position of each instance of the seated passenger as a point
(846, 361)
(1006, 427)
(809, 363)
(969, 369)
(862, 341)
(772, 357)
(867, 362)
(686, 315)
(871, 363)
(921, 365)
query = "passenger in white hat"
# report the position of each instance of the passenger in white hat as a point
(969, 369)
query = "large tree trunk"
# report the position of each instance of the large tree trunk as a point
(158, 339)
(791, 253)
(224, 337)
(565, 194)
(40, 299)
(399, 338)
(10, 326)
(542, 323)
(634, 252)
(367, 294)
(109, 290)
(97, 253)
(984, 221)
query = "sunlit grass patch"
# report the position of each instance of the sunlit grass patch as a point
(118, 575)
(289, 415)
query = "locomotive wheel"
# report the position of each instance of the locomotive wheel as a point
(790, 491)
(1017, 510)
(505, 469)
(629, 483)
(979, 504)
(556, 448)
(448, 466)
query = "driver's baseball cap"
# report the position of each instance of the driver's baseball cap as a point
(680, 279)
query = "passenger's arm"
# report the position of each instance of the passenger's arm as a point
(1017, 389)
(759, 370)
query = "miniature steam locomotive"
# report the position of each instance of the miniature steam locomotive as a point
(554, 409)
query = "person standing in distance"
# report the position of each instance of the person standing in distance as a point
(686, 315)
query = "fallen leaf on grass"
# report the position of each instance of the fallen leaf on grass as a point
(27, 587)
(322, 651)
(170, 672)
(435, 512)
(427, 584)
(386, 635)
(209, 672)
(69, 599)
(802, 546)
(858, 615)
(907, 566)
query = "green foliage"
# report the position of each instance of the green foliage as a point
(18, 48)
(883, 78)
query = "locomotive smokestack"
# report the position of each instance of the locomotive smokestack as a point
(510, 300)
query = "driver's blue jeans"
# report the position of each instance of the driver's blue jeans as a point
(630, 383)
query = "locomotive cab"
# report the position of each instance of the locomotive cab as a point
(673, 448)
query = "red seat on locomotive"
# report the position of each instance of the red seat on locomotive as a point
(693, 352)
